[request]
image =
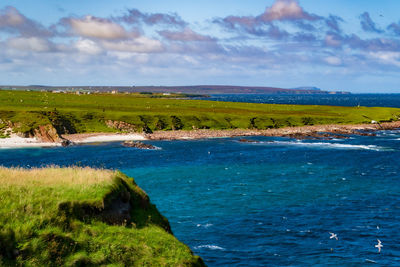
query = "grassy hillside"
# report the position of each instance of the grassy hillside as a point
(82, 217)
(70, 113)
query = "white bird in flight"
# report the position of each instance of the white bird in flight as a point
(333, 235)
(379, 246)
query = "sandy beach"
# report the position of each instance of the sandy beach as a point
(20, 142)
(102, 137)
(15, 141)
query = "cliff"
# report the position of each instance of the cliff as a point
(83, 217)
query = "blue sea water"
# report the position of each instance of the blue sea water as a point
(367, 100)
(272, 203)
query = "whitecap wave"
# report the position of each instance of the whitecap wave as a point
(212, 247)
(330, 145)
(154, 148)
(204, 225)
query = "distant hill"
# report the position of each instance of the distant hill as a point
(192, 89)
(223, 89)
(307, 88)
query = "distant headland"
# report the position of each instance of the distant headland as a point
(187, 89)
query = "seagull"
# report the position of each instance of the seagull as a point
(333, 235)
(379, 246)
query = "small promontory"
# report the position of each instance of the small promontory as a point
(83, 217)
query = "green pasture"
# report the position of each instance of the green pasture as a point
(71, 113)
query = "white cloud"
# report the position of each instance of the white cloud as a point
(94, 27)
(9, 16)
(286, 9)
(29, 44)
(139, 45)
(186, 35)
(333, 61)
(88, 46)
(330, 40)
(386, 57)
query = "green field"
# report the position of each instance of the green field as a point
(71, 113)
(70, 217)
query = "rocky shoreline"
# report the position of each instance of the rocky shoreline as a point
(299, 132)
(321, 132)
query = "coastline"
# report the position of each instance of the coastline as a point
(18, 142)
(285, 131)
(102, 137)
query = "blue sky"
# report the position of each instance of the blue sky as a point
(335, 45)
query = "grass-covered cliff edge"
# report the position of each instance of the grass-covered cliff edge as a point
(47, 115)
(82, 217)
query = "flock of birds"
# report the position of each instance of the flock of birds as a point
(379, 245)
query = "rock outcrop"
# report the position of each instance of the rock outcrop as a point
(248, 141)
(139, 145)
(122, 126)
(47, 133)
(316, 136)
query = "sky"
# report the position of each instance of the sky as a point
(334, 45)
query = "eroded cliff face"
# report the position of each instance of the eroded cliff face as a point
(43, 133)
(47, 133)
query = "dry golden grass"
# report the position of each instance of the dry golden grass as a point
(46, 187)
(53, 176)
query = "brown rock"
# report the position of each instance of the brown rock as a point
(248, 141)
(137, 144)
(122, 126)
(47, 133)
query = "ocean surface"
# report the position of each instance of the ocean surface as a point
(367, 100)
(272, 203)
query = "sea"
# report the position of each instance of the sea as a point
(366, 100)
(272, 202)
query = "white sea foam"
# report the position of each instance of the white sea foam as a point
(204, 225)
(154, 148)
(212, 247)
(329, 145)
